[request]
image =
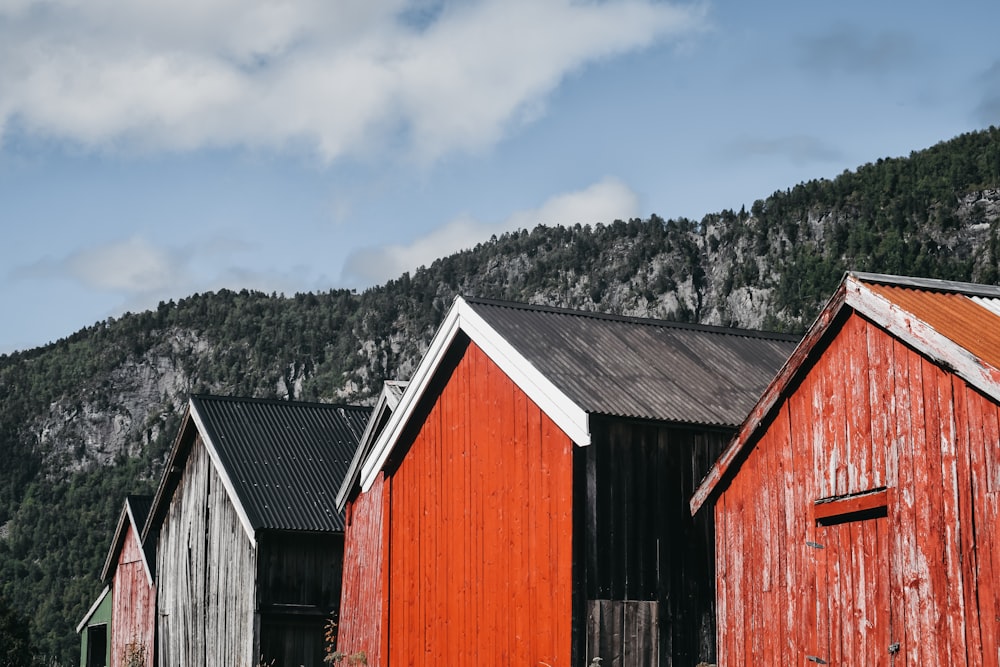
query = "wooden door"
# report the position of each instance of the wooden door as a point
(854, 614)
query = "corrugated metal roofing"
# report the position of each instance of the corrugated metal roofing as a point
(642, 368)
(285, 459)
(966, 314)
(972, 322)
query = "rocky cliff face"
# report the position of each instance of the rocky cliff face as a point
(724, 271)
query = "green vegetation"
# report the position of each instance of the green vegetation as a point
(59, 498)
(15, 640)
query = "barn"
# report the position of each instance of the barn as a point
(525, 501)
(856, 509)
(249, 542)
(128, 573)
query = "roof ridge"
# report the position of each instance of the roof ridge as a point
(275, 401)
(932, 284)
(633, 319)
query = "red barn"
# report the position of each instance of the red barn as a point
(133, 596)
(856, 510)
(525, 501)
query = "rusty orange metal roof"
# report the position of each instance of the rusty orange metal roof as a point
(955, 324)
(962, 319)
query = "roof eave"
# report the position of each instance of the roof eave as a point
(223, 473)
(728, 463)
(174, 469)
(116, 544)
(462, 318)
(93, 608)
(387, 402)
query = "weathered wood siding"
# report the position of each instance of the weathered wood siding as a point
(480, 548)
(298, 590)
(646, 570)
(363, 606)
(134, 607)
(909, 582)
(205, 573)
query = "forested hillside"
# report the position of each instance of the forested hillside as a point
(89, 418)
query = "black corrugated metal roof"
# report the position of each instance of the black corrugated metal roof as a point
(285, 459)
(643, 368)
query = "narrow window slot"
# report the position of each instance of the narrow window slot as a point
(871, 504)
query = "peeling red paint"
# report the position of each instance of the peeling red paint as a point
(912, 586)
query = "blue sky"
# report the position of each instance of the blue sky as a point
(152, 150)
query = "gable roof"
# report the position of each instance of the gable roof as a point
(575, 364)
(955, 324)
(135, 511)
(93, 609)
(278, 460)
(392, 392)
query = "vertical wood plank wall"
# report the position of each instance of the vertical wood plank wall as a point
(914, 588)
(480, 548)
(133, 617)
(205, 574)
(647, 565)
(298, 589)
(361, 606)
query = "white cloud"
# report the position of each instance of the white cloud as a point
(334, 77)
(604, 201)
(131, 266)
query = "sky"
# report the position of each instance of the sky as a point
(152, 150)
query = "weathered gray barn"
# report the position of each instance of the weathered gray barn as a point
(249, 539)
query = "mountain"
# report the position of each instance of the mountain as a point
(87, 419)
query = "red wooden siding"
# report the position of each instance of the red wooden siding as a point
(362, 604)
(480, 562)
(913, 584)
(133, 617)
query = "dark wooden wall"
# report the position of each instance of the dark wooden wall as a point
(909, 582)
(298, 589)
(645, 569)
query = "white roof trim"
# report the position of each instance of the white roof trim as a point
(93, 608)
(138, 539)
(223, 474)
(566, 414)
(388, 400)
(922, 336)
(114, 552)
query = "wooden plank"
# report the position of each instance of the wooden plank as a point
(861, 473)
(906, 575)
(954, 589)
(827, 508)
(793, 532)
(927, 539)
(968, 555)
(982, 437)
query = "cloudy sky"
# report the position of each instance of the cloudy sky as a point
(150, 150)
